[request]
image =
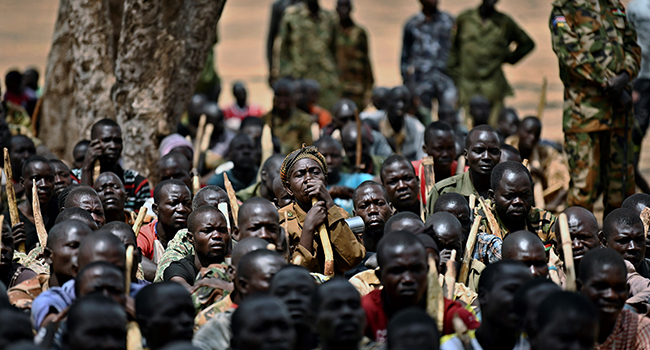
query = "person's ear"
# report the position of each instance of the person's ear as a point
(190, 237)
(235, 233)
(263, 175)
(602, 238)
(289, 191)
(490, 196)
(465, 154)
(424, 148)
(242, 285)
(154, 207)
(47, 254)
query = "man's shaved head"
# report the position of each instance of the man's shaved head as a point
(447, 232)
(246, 246)
(102, 246)
(403, 221)
(637, 202)
(63, 228)
(526, 247)
(397, 241)
(210, 195)
(77, 214)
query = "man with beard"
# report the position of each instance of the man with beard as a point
(482, 153)
(112, 194)
(295, 287)
(172, 205)
(106, 146)
(401, 183)
(511, 200)
(602, 279)
(499, 324)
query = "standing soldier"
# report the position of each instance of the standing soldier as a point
(479, 49)
(598, 56)
(352, 57)
(308, 48)
(425, 51)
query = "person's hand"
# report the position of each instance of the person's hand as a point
(315, 217)
(215, 283)
(18, 231)
(317, 189)
(615, 85)
(92, 154)
(341, 192)
(445, 255)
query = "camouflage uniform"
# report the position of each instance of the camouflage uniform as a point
(353, 61)
(293, 132)
(594, 43)
(203, 297)
(178, 248)
(478, 51)
(208, 313)
(538, 221)
(425, 51)
(308, 49)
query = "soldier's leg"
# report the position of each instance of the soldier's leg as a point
(497, 106)
(583, 155)
(616, 190)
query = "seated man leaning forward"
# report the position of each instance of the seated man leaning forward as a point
(304, 176)
(511, 204)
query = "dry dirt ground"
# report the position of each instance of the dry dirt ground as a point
(26, 28)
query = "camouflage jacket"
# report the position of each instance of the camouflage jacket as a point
(205, 296)
(426, 45)
(593, 42)
(353, 60)
(538, 221)
(307, 47)
(293, 132)
(178, 248)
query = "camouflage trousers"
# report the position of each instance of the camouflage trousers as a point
(596, 164)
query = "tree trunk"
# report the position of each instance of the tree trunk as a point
(162, 51)
(79, 75)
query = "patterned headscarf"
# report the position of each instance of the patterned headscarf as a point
(310, 152)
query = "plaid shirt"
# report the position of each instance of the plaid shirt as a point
(488, 248)
(631, 332)
(538, 221)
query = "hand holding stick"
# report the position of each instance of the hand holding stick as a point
(570, 284)
(469, 250)
(327, 247)
(450, 276)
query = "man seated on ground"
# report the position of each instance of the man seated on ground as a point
(99, 246)
(106, 146)
(372, 205)
(77, 214)
(12, 272)
(413, 329)
(233, 297)
(565, 321)
(175, 165)
(447, 233)
(112, 194)
(304, 176)
(86, 198)
(482, 153)
(285, 120)
(172, 205)
(164, 312)
(180, 247)
(79, 154)
(258, 218)
(509, 154)
(344, 114)
(404, 132)
(584, 231)
(511, 204)
(527, 300)
(36, 169)
(254, 272)
(245, 156)
(62, 176)
(623, 231)
(399, 179)
(101, 277)
(545, 162)
(439, 144)
(340, 184)
(602, 279)
(295, 287)
(262, 322)
(211, 239)
(370, 163)
(83, 325)
(235, 113)
(264, 188)
(340, 319)
(282, 197)
(176, 143)
(124, 232)
(403, 273)
(638, 203)
(308, 96)
(527, 248)
(500, 325)
(508, 123)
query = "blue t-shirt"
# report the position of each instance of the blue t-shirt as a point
(352, 181)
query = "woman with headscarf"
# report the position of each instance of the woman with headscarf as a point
(304, 176)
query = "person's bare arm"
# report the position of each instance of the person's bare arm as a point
(149, 269)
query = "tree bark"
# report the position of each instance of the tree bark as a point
(162, 51)
(79, 75)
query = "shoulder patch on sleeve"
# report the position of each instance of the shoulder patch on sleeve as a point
(559, 21)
